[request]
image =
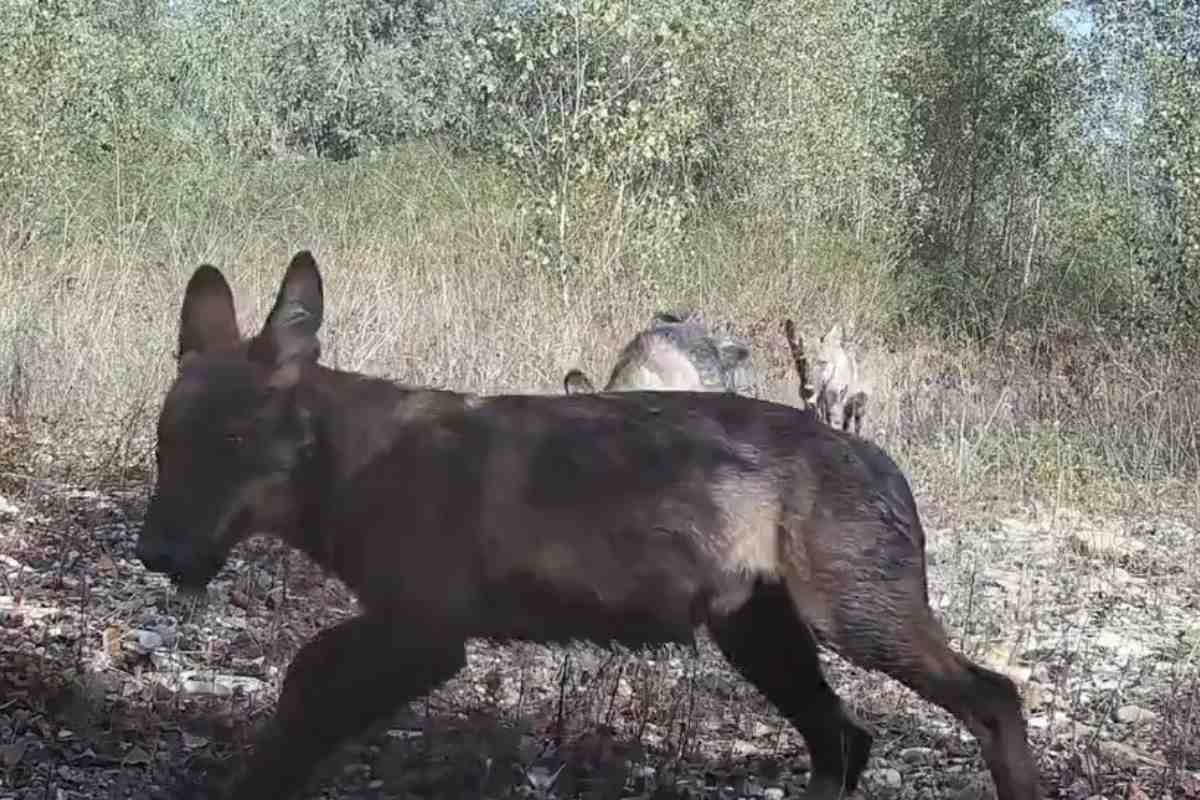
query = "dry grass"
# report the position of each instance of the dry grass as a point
(1035, 464)
(434, 275)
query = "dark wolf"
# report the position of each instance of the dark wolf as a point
(632, 517)
(672, 354)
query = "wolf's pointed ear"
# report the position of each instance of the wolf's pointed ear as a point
(575, 382)
(290, 332)
(207, 320)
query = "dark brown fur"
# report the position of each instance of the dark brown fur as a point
(633, 517)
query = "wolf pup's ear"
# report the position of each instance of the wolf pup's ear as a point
(575, 382)
(207, 320)
(290, 332)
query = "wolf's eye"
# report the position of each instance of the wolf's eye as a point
(234, 439)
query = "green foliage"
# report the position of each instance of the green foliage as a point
(1173, 142)
(223, 48)
(1008, 166)
(1129, 160)
(593, 94)
(360, 73)
(983, 85)
(77, 79)
(601, 90)
(818, 134)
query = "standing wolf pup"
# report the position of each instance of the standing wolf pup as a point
(671, 354)
(840, 392)
(632, 517)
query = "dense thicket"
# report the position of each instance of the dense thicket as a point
(1013, 160)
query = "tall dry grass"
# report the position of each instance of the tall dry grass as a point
(435, 274)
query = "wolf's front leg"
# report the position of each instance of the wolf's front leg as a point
(341, 682)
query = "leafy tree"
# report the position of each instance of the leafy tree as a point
(983, 84)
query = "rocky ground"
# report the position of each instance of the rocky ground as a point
(112, 686)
